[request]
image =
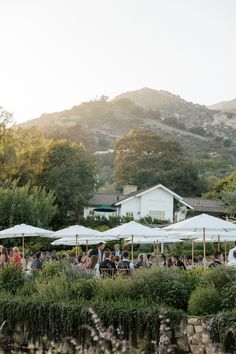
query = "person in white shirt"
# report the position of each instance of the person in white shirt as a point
(233, 262)
(231, 251)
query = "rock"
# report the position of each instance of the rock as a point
(198, 329)
(197, 349)
(205, 338)
(196, 338)
(190, 329)
(183, 344)
(195, 321)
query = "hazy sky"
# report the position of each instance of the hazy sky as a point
(57, 53)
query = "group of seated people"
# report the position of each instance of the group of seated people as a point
(104, 261)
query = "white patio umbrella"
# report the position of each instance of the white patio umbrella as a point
(217, 238)
(77, 232)
(23, 231)
(133, 230)
(72, 241)
(200, 225)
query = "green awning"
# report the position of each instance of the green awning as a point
(105, 209)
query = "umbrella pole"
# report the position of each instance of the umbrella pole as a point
(225, 250)
(23, 246)
(204, 247)
(76, 245)
(192, 251)
(218, 243)
(132, 248)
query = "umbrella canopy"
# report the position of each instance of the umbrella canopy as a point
(76, 230)
(200, 222)
(134, 229)
(152, 239)
(203, 225)
(24, 230)
(105, 209)
(72, 241)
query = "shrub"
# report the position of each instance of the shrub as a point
(222, 329)
(219, 277)
(204, 301)
(228, 297)
(11, 278)
(161, 285)
(110, 289)
(56, 289)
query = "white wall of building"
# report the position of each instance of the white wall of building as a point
(131, 208)
(158, 204)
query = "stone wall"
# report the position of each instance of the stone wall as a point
(193, 338)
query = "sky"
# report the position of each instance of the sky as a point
(56, 54)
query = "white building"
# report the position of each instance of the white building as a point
(156, 202)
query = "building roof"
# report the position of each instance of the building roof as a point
(147, 190)
(207, 205)
(105, 199)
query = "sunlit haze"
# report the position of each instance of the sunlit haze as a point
(58, 53)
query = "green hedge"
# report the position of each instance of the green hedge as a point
(137, 319)
(222, 328)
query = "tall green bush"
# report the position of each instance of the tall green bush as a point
(204, 301)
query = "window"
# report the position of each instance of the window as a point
(157, 214)
(129, 214)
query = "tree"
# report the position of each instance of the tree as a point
(29, 205)
(145, 158)
(6, 119)
(68, 170)
(222, 185)
(22, 155)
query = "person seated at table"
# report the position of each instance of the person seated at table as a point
(125, 263)
(233, 261)
(162, 260)
(177, 262)
(107, 264)
(142, 261)
(152, 260)
(189, 262)
(117, 252)
(37, 263)
(16, 258)
(218, 260)
(4, 259)
(200, 261)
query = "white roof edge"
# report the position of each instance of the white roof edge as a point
(178, 197)
(126, 199)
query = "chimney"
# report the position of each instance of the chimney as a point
(129, 188)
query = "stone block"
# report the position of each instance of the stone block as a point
(190, 329)
(196, 338)
(205, 338)
(197, 349)
(183, 344)
(195, 321)
(198, 329)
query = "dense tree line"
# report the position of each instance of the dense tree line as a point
(145, 158)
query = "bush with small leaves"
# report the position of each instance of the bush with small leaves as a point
(204, 301)
(11, 278)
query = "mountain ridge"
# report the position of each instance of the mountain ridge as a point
(200, 129)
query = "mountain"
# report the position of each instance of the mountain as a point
(203, 131)
(225, 106)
